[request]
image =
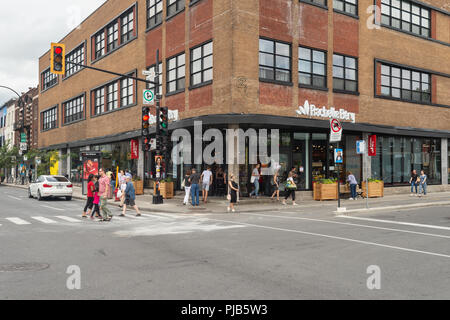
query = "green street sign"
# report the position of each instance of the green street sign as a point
(23, 137)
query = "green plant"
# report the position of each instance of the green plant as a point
(328, 181)
(169, 179)
(136, 178)
(374, 180)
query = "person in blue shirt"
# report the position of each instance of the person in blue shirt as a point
(130, 197)
(352, 181)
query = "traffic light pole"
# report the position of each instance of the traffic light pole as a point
(157, 199)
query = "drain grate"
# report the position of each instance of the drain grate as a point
(23, 267)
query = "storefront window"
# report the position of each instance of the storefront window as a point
(300, 158)
(76, 166)
(319, 156)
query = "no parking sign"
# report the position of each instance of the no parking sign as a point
(335, 130)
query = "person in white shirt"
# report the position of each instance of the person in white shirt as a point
(255, 180)
(206, 178)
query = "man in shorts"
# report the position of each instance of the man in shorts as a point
(130, 197)
(206, 179)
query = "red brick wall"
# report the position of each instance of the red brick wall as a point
(201, 24)
(175, 102)
(200, 97)
(313, 26)
(345, 36)
(433, 24)
(275, 94)
(276, 19)
(347, 102)
(318, 98)
(153, 42)
(175, 34)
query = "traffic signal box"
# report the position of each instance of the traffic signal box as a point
(58, 58)
(146, 128)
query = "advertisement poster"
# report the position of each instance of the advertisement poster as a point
(90, 167)
(338, 156)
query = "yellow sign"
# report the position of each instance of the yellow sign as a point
(55, 167)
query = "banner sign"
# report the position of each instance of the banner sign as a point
(372, 145)
(134, 149)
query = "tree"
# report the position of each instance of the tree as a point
(8, 156)
(48, 160)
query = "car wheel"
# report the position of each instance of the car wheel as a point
(39, 197)
(29, 194)
(69, 198)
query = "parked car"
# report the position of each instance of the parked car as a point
(50, 186)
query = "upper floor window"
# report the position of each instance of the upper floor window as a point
(312, 67)
(345, 70)
(48, 79)
(73, 110)
(160, 78)
(127, 26)
(176, 73)
(99, 100)
(407, 16)
(405, 84)
(274, 60)
(112, 98)
(76, 56)
(174, 6)
(99, 44)
(113, 36)
(321, 2)
(202, 64)
(127, 94)
(349, 6)
(50, 119)
(154, 12)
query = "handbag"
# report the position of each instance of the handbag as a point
(119, 193)
(228, 196)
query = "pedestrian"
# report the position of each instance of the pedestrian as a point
(290, 188)
(130, 198)
(194, 180)
(232, 193)
(206, 178)
(423, 183)
(255, 180)
(96, 210)
(187, 187)
(104, 188)
(413, 181)
(276, 185)
(90, 197)
(122, 187)
(352, 182)
(30, 175)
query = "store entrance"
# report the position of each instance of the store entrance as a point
(319, 161)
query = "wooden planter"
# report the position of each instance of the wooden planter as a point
(165, 189)
(376, 189)
(325, 191)
(139, 187)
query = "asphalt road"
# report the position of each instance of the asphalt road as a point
(269, 255)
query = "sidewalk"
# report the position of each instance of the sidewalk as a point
(219, 205)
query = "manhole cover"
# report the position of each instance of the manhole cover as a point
(22, 267)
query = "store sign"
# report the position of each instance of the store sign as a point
(372, 145)
(311, 110)
(360, 147)
(134, 149)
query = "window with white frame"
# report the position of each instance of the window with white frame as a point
(176, 71)
(127, 93)
(74, 110)
(50, 119)
(113, 36)
(100, 44)
(345, 73)
(202, 64)
(127, 22)
(407, 16)
(48, 79)
(154, 12)
(112, 99)
(274, 60)
(312, 67)
(99, 100)
(76, 56)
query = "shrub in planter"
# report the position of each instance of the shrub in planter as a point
(376, 188)
(326, 189)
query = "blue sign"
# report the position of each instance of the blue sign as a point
(360, 147)
(338, 156)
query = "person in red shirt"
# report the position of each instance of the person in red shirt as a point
(90, 197)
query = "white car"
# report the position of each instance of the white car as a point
(50, 186)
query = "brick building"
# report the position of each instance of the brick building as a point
(264, 64)
(26, 120)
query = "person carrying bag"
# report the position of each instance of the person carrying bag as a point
(290, 188)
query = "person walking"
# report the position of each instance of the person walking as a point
(352, 182)
(207, 179)
(290, 188)
(122, 186)
(194, 180)
(413, 182)
(90, 197)
(255, 180)
(130, 198)
(103, 191)
(233, 192)
(423, 183)
(30, 175)
(96, 201)
(276, 185)
(187, 187)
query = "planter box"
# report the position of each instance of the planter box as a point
(165, 189)
(325, 191)
(376, 189)
(139, 187)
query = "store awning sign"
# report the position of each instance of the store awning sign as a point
(372, 145)
(311, 110)
(335, 130)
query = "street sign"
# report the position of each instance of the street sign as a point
(360, 147)
(338, 156)
(23, 137)
(25, 158)
(149, 73)
(38, 160)
(335, 130)
(23, 146)
(152, 144)
(148, 97)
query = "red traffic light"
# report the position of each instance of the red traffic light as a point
(58, 50)
(146, 117)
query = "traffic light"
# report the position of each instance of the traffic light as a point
(145, 121)
(146, 144)
(58, 58)
(164, 121)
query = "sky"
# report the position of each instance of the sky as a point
(27, 29)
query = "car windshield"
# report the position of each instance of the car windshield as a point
(57, 179)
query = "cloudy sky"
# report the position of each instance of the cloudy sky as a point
(27, 28)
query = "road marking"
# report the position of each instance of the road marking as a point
(350, 224)
(57, 209)
(335, 237)
(69, 219)
(12, 197)
(397, 222)
(18, 221)
(44, 220)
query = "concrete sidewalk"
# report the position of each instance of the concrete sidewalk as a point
(219, 204)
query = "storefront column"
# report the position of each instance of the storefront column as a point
(61, 163)
(233, 152)
(68, 162)
(141, 160)
(444, 161)
(367, 161)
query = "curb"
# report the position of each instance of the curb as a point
(406, 206)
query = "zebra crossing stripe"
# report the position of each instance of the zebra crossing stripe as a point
(44, 220)
(18, 221)
(68, 219)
